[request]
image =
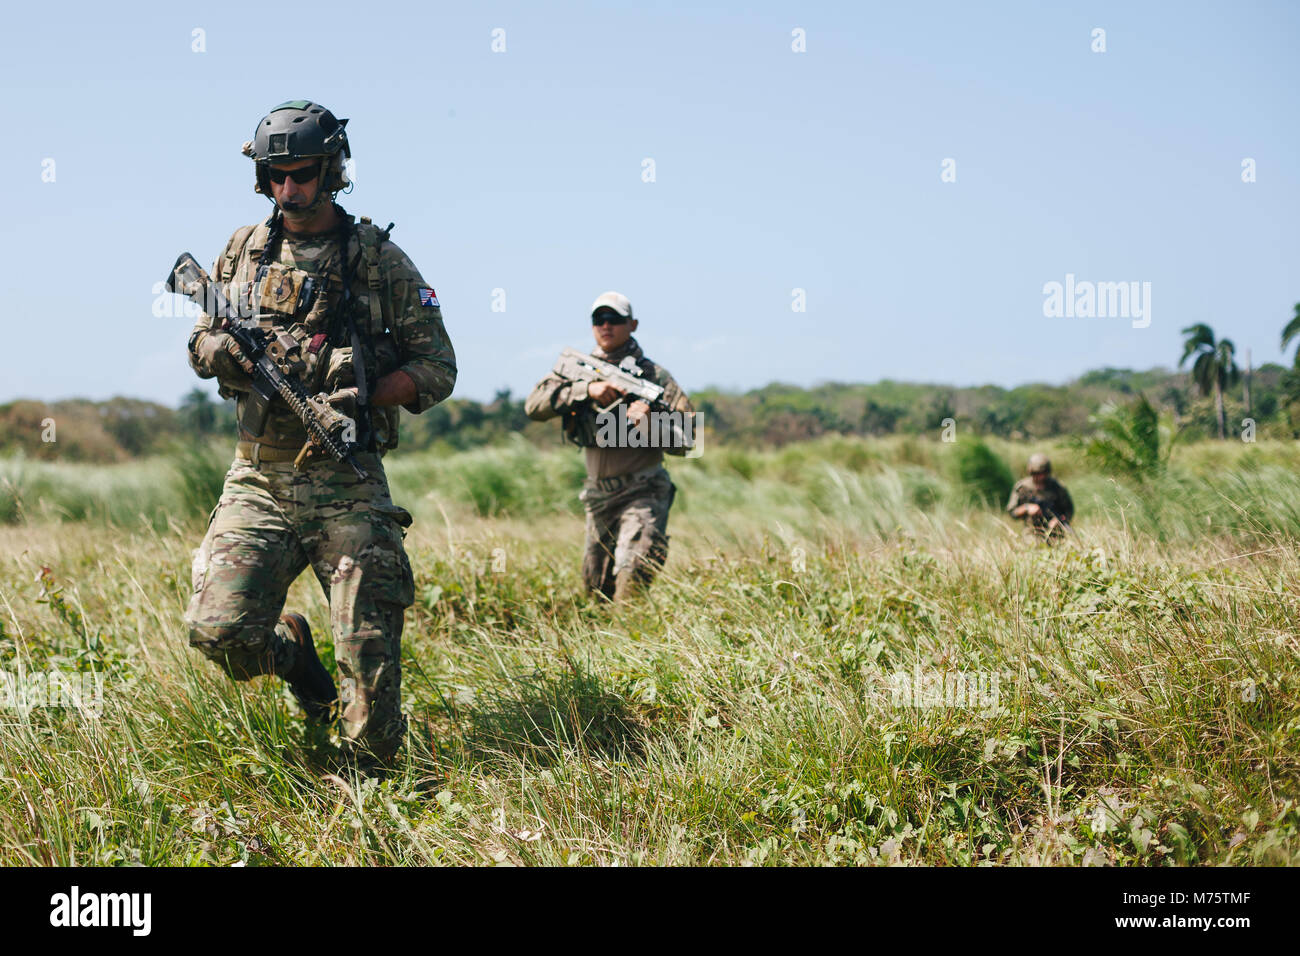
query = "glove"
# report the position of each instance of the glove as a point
(333, 408)
(345, 400)
(216, 352)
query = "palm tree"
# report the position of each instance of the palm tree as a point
(1291, 380)
(1291, 331)
(1214, 368)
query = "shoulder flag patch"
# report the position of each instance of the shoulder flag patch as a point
(429, 297)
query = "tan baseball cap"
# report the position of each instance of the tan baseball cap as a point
(613, 300)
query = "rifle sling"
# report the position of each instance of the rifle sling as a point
(365, 433)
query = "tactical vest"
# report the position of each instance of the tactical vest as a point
(579, 426)
(310, 308)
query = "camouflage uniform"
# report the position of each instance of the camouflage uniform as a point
(273, 520)
(1052, 498)
(628, 493)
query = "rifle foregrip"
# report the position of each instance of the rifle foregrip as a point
(299, 406)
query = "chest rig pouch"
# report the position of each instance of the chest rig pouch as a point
(293, 307)
(307, 314)
(579, 426)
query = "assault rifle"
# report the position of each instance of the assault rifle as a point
(575, 366)
(1048, 514)
(271, 362)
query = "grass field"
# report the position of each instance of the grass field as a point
(849, 659)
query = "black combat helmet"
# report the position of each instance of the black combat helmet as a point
(301, 129)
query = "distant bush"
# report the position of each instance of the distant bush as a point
(508, 479)
(981, 474)
(1129, 441)
(126, 495)
(79, 432)
(739, 461)
(200, 475)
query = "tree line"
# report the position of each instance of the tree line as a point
(1209, 394)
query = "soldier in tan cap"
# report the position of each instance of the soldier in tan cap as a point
(1041, 501)
(628, 493)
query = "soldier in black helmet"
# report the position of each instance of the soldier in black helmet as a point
(370, 338)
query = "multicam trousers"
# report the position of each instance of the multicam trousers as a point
(272, 522)
(627, 531)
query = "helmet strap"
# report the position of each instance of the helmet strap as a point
(323, 193)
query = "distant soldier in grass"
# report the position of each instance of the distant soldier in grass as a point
(628, 493)
(367, 334)
(1041, 501)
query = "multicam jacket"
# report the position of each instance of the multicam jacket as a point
(301, 292)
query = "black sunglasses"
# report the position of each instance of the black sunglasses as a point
(613, 318)
(299, 176)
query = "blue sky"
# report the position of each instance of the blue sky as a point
(774, 170)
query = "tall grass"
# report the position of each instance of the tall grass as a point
(199, 472)
(877, 487)
(181, 486)
(746, 711)
(513, 478)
